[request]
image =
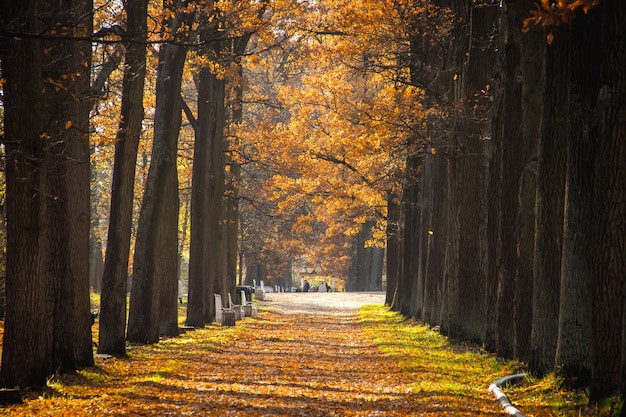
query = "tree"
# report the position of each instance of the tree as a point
(46, 119)
(609, 206)
(153, 302)
(591, 354)
(550, 203)
(203, 261)
(112, 338)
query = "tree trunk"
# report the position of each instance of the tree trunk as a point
(574, 351)
(550, 202)
(198, 303)
(376, 272)
(153, 301)
(468, 305)
(407, 278)
(533, 83)
(217, 227)
(393, 248)
(96, 262)
(609, 198)
(112, 336)
(47, 326)
(435, 291)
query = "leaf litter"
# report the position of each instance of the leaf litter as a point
(276, 364)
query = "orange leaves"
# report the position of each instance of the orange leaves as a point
(549, 14)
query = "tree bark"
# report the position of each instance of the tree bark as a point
(574, 350)
(154, 291)
(112, 336)
(393, 248)
(198, 302)
(46, 110)
(533, 84)
(609, 200)
(407, 278)
(468, 305)
(550, 203)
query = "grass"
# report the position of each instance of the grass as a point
(465, 370)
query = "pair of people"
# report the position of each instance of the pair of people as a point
(323, 287)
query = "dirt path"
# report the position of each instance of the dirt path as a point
(314, 303)
(308, 357)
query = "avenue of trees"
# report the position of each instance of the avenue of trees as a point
(475, 148)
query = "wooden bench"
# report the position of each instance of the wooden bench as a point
(224, 316)
(248, 306)
(237, 308)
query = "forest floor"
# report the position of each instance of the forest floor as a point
(304, 355)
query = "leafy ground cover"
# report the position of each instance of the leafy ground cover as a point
(277, 364)
(453, 373)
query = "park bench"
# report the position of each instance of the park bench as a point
(237, 308)
(224, 316)
(248, 306)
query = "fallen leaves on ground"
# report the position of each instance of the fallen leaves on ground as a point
(271, 365)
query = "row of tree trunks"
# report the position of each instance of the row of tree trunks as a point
(153, 301)
(366, 272)
(528, 259)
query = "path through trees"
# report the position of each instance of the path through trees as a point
(308, 356)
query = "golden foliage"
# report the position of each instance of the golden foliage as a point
(331, 114)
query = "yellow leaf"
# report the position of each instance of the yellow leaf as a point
(68, 124)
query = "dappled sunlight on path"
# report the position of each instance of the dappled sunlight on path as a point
(280, 363)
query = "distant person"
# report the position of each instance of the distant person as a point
(180, 291)
(322, 288)
(306, 287)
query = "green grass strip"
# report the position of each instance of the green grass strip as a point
(463, 372)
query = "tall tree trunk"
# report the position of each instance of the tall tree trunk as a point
(574, 351)
(407, 278)
(232, 192)
(47, 325)
(96, 262)
(468, 305)
(217, 227)
(609, 199)
(533, 84)
(153, 301)
(393, 248)
(376, 273)
(435, 291)
(198, 302)
(112, 336)
(550, 202)
(429, 281)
